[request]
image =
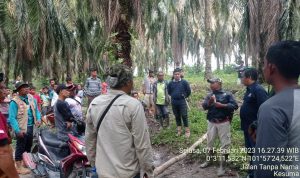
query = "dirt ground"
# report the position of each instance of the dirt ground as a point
(186, 168)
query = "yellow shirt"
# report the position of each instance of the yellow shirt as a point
(160, 93)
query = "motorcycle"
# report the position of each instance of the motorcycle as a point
(55, 158)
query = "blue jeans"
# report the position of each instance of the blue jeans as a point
(180, 112)
(162, 113)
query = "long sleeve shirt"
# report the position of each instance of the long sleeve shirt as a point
(121, 148)
(255, 95)
(13, 112)
(179, 90)
(219, 114)
(92, 87)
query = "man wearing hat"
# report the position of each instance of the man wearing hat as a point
(23, 114)
(62, 112)
(121, 146)
(220, 105)
(92, 87)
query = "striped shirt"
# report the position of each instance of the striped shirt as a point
(92, 87)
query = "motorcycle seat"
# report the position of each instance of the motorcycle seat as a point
(50, 139)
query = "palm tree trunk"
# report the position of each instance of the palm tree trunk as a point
(208, 40)
(9, 46)
(123, 38)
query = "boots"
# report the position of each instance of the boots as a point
(208, 161)
(178, 131)
(167, 122)
(221, 170)
(20, 169)
(187, 132)
(161, 123)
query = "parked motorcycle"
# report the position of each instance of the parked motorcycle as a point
(56, 158)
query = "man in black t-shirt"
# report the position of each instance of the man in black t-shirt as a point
(62, 113)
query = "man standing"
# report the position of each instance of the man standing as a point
(179, 89)
(161, 99)
(36, 96)
(121, 147)
(240, 69)
(279, 116)
(62, 113)
(74, 103)
(23, 114)
(69, 81)
(7, 167)
(220, 105)
(51, 88)
(92, 87)
(255, 95)
(148, 93)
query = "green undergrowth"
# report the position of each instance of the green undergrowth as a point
(198, 122)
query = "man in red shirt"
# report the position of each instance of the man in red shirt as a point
(36, 97)
(7, 167)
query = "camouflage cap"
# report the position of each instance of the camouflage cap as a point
(119, 75)
(214, 80)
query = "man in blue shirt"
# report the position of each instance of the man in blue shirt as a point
(255, 95)
(23, 114)
(179, 89)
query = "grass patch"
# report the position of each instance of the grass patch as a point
(198, 121)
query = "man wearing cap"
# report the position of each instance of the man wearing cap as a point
(179, 89)
(121, 148)
(74, 103)
(62, 113)
(23, 114)
(220, 105)
(92, 87)
(148, 93)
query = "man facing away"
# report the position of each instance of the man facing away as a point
(220, 105)
(161, 99)
(279, 116)
(92, 87)
(121, 147)
(179, 89)
(23, 115)
(255, 95)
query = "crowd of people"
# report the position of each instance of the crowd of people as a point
(116, 135)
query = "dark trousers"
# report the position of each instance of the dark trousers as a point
(180, 112)
(90, 99)
(249, 143)
(24, 144)
(162, 113)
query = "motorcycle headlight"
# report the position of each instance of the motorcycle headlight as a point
(80, 147)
